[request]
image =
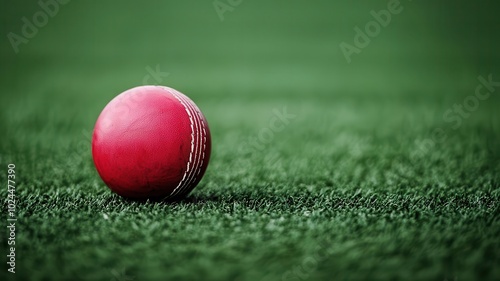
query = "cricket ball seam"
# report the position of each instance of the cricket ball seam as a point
(201, 141)
(197, 146)
(182, 182)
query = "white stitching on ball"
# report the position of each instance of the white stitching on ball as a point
(196, 169)
(192, 142)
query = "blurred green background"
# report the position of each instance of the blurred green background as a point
(359, 170)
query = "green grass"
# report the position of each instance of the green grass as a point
(344, 192)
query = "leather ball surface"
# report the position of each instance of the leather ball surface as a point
(151, 142)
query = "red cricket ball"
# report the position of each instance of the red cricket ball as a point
(151, 142)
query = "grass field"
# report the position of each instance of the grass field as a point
(367, 180)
